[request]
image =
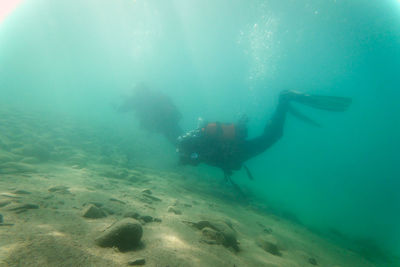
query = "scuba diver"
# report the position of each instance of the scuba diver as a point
(223, 145)
(226, 145)
(155, 111)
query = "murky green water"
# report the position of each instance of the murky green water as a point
(68, 64)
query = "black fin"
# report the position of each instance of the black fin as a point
(303, 117)
(235, 186)
(330, 103)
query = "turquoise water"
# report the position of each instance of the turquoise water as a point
(220, 59)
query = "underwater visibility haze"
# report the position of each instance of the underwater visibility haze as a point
(68, 67)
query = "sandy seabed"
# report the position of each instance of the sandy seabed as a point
(43, 222)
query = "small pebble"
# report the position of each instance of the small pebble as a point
(267, 230)
(21, 192)
(260, 224)
(4, 203)
(132, 214)
(117, 200)
(145, 200)
(93, 212)
(269, 246)
(60, 189)
(151, 197)
(312, 261)
(137, 262)
(19, 208)
(146, 218)
(9, 195)
(173, 210)
(147, 191)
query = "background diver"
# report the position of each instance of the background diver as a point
(223, 145)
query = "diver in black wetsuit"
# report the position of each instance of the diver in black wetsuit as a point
(225, 145)
(155, 111)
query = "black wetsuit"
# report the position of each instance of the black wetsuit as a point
(155, 111)
(196, 147)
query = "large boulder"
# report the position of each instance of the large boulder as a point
(124, 234)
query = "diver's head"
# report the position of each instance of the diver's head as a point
(188, 146)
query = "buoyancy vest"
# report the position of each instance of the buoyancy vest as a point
(225, 132)
(220, 131)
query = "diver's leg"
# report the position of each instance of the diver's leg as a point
(273, 130)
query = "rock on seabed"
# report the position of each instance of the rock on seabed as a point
(93, 212)
(124, 234)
